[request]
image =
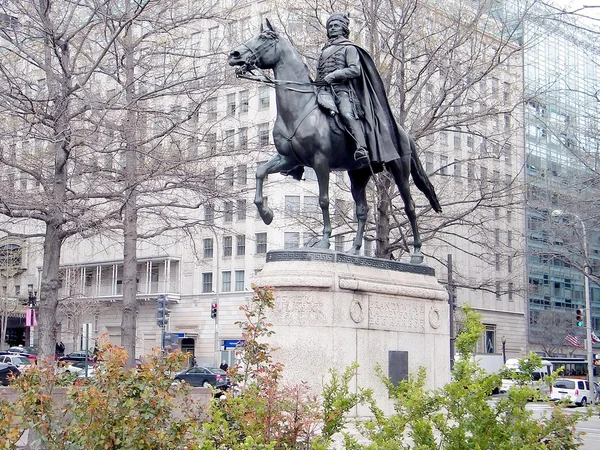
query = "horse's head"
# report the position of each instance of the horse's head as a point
(260, 51)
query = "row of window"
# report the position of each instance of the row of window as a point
(260, 240)
(226, 281)
(238, 103)
(233, 139)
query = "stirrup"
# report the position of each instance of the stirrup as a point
(361, 154)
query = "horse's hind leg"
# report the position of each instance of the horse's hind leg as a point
(276, 163)
(400, 170)
(358, 186)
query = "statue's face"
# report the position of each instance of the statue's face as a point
(335, 29)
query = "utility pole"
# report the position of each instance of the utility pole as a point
(451, 303)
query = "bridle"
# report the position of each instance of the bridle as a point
(247, 71)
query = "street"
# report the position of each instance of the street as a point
(591, 427)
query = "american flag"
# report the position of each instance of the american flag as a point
(595, 338)
(573, 340)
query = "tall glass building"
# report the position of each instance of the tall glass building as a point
(561, 80)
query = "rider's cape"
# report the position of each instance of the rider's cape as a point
(384, 136)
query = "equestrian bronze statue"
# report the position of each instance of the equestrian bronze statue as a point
(309, 132)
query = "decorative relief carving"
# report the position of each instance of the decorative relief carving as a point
(396, 316)
(300, 255)
(357, 311)
(435, 319)
(392, 289)
(298, 310)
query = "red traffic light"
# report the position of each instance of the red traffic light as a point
(213, 311)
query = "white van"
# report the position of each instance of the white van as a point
(538, 376)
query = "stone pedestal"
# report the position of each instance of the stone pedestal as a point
(332, 309)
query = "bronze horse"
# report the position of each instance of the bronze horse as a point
(305, 136)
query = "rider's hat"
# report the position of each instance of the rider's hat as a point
(341, 16)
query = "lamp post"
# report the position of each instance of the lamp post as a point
(588, 308)
(504, 349)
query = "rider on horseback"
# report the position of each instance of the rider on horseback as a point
(338, 64)
(350, 85)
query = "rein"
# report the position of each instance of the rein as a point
(247, 72)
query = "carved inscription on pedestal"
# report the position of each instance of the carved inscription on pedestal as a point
(396, 315)
(299, 310)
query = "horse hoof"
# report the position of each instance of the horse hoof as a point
(323, 243)
(267, 216)
(416, 258)
(353, 251)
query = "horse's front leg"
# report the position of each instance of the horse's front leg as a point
(276, 163)
(358, 186)
(321, 168)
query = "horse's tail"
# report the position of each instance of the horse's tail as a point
(421, 179)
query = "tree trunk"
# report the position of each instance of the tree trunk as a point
(130, 218)
(48, 298)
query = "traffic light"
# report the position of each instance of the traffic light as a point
(213, 310)
(579, 318)
(162, 313)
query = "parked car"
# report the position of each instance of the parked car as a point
(28, 352)
(77, 356)
(20, 362)
(204, 377)
(574, 390)
(78, 367)
(7, 372)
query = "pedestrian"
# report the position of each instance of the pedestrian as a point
(224, 366)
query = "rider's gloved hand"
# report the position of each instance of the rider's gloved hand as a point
(328, 79)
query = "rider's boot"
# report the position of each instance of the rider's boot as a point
(361, 154)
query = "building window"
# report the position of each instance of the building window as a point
(497, 262)
(242, 174)
(241, 210)
(311, 205)
(239, 280)
(229, 139)
(213, 38)
(227, 245)
(209, 214)
(263, 134)
(509, 264)
(487, 343)
(457, 169)
(456, 139)
(291, 240)
(211, 143)
(243, 102)
(509, 239)
(510, 291)
(228, 212)
(261, 243)
(231, 104)
(207, 279)
(292, 205)
(443, 165)
(10, 255)
(241, 244)
(497, 236)
(428, 162)
(228, 176)
(243, 138)
(470, 141)
(444, 138)
(507, 153)
(208, 248)
(211, 109)
(226, 280)
(339, 243)
(264, 98)
(498, 293)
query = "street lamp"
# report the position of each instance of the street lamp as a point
(504, 349)
(588, 308)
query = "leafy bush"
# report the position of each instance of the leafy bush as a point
(129, 409)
